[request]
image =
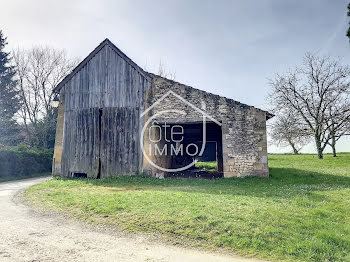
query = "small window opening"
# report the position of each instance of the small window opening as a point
(79, 175)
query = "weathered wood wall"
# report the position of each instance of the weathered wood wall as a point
(103, 101)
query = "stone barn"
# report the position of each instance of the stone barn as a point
(116, 119)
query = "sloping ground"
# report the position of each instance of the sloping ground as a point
(302, 213)
(28, 236)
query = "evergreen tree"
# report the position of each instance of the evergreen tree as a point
(9, 101)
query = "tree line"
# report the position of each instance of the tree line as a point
(27, 77)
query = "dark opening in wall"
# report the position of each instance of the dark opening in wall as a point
(193, 139)
(79, 175)
(209, 154)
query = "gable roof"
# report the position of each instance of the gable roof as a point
(92, 54)
(268, 114)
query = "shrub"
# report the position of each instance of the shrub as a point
(22, 161)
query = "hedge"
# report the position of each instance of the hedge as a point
(21, 161)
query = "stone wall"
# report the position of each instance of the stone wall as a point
(243, 127)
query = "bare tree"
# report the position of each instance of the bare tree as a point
(39, 70)
(164, 72)
(338, 124)
(287, 130)
(311, 90)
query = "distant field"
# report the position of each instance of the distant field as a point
(209, 166)
(302, 213)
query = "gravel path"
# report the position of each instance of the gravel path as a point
(28, 236)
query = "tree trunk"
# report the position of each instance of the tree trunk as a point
(333, 147)
(334, 151)
(295, 151)
(319, 147)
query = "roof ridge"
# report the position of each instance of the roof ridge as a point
(105, 42)
(125, 57)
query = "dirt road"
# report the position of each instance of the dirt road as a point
(28, 236)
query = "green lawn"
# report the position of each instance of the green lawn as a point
(209, 166)
(301, 213)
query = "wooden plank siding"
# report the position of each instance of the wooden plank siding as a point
(103, 101)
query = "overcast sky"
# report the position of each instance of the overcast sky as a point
(230, 48)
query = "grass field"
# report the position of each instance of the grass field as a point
(302, 213)
(209, 166)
